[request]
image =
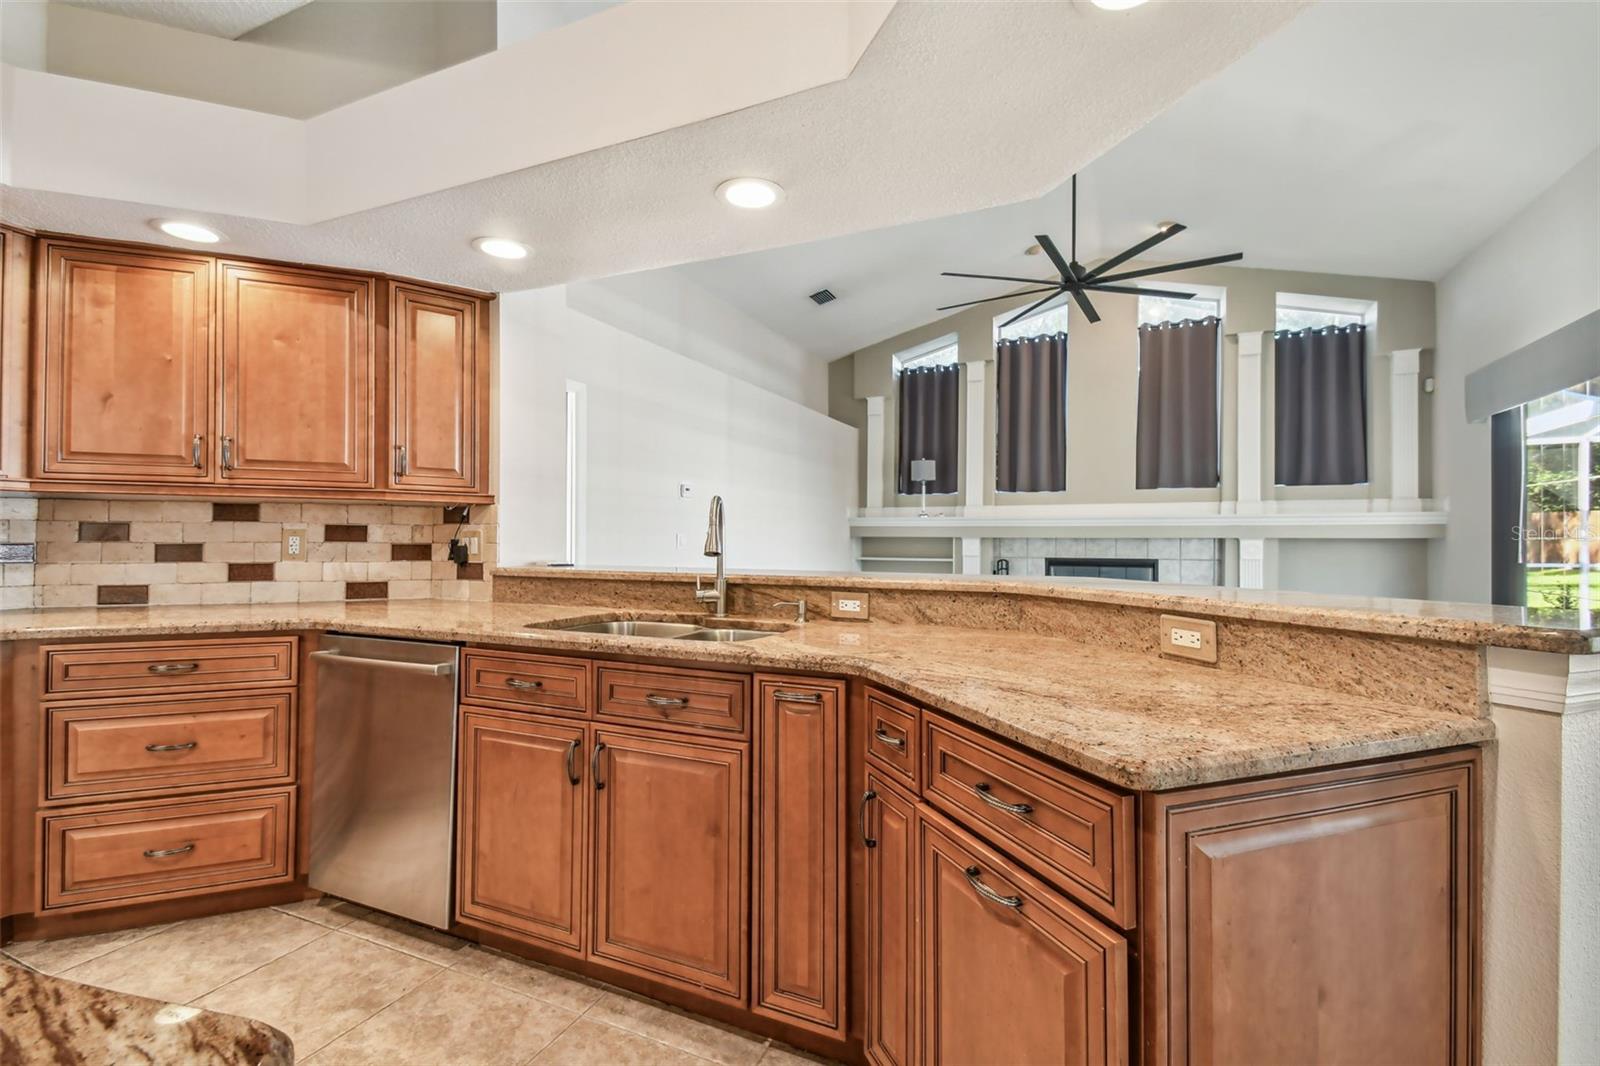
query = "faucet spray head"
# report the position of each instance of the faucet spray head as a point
(714, 529)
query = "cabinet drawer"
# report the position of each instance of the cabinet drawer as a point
(168, 665)
(170, 745)
(1048, 817)
(120, 855)
(508, 679)
(892, 741)
(682, 699)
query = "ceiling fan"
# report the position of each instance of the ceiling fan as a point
(1079, 282)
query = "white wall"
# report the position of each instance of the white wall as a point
(1396, 568)
(1536, 274)
(657, 418)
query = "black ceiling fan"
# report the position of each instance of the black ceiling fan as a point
(1076, 281)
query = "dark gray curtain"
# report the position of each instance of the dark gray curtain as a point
(1031, 440)
(1321, 418)
(1177, 442)
(930, 402)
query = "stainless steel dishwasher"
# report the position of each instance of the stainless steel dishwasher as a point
(383, 782)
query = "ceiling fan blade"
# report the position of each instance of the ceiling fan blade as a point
(1134, 290)
(1138, 249)
(998, 277)
(1026, 311)
(1169, 267)
(991, 299)
(1054, 253)
(1085, 306)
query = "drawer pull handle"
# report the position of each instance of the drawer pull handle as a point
(162, 853)
(172, 747)
(194, 452)
(594, 766)
(867, 797)
(517, 682)
(1014, 902)
(666, 701)
(785, 696)
(572, 756)
(897, 743)
(173, 668)
(982, 789)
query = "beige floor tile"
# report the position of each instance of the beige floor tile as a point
(192, 958)
(531, 979)
(334, 983)
(54, 956)
(325, 910)
(783, 1055)
(451, 1020)
(708, 1040)
(591, 1043)
(413, 939)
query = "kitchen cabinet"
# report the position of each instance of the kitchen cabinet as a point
(297, 377)
(888, 820)
(523, 823)
(1011, 971)
(16, 313)
(800, 840)
(671, 855)
(125, 365)
(439, 379)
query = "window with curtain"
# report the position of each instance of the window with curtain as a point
(1320, 419)
(930, 405)
(1031, 420)
(1178, 402)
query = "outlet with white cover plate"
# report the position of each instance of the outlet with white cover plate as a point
(295, 543)
(848, 605)
(1189, 638)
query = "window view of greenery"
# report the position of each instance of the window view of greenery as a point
(1560, 529)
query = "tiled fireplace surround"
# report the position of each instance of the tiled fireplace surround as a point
(96, 551)
(1181, 560)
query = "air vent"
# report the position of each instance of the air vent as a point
(822, 296)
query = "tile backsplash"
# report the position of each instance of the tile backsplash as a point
(88, 552)
(1180, 560)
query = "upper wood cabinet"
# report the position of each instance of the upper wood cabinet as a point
(439, 381)
(16, 252)
(125, 368)
(297, 377)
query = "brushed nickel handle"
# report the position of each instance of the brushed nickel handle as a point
(982, 789)
(594, 765)
(897, 743)
(666, 701)
(330, 655)
(785, 696)
(401, 465)
(172, 747)
(972, 872)
(517, 682)
(227, 453)
(867, 797)
(162, 853)
(194, 452)
(173, 668)
(572, 755)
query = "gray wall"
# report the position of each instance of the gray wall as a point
(1396, 568)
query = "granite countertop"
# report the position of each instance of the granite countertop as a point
(54, 1020)
(1137, 721)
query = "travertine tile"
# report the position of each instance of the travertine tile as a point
(529, 978)
(413, 939)
(55, 956)
(591, 1043)
(781, 1055)
(325, 910)
(677, 1029)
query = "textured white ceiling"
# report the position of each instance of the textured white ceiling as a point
(954, 106)
(1385, 139)
(217, 18)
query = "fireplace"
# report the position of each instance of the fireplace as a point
(1126, 569)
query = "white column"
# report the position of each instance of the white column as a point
(1252, 563)
(977, 411)
(971, 555)
(1541, 926)
(1248, 425)
(875, 443)
(1404, 449)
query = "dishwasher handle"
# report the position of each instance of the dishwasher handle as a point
(431, 669)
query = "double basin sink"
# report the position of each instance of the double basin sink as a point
(667, 630)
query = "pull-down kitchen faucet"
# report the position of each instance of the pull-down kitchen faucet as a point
(717, 593)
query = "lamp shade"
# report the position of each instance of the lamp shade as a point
(923, 470)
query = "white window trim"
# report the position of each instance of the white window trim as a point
(1333, 305)
(1052, 309)
(949, 340)
(577, 472)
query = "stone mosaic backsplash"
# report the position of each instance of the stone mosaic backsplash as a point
(88, 552)
(1180, 560)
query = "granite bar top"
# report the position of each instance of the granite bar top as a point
(1478, 624)
(47, 1019)
(1137, 721)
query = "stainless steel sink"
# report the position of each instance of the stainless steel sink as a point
(633, 628)
(726, 635)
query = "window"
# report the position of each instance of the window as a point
(941, 352)
(929, 388)
(1562, 487)
(1039, 324)
(1155, 310)
(1180, 393)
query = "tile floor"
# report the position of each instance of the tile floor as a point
(351, 986)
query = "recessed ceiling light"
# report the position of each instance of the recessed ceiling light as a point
(1117, 5)
(1032, 249)
(188, 231)
(501, 248)
(751, 193)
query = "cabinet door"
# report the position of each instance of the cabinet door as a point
(16, 294)
(440, 379)
(1011, 971)
(297, 377)
(1317, 917)
(126, 368)
(889, 829)
(671, 854)
(800, 861)
(522, 814)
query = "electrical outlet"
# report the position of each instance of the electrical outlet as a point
(848, 605)
(294, 542)
(685, 490)
(1189, 638)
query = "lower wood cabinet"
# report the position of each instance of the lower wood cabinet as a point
(1011, 972)
(893, 926)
